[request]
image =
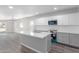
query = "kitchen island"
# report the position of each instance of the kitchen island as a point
(38, 42)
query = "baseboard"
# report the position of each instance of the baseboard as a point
(31, 48)
(69, 45)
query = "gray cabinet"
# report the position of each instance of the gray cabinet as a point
(63, 37)
(74, 40)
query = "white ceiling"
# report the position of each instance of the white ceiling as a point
(20, 11)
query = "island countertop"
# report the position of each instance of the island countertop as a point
(34, 34)
(38, 42)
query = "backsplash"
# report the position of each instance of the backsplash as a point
(60, 28)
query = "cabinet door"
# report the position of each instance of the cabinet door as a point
(74, 40)
(59, 37)
(74, 19)
(68, 19)
(41, 21)
(59, 19)
(48, 39)
(63, 38)
(65, 20)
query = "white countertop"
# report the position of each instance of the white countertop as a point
(72, 32)
(34, 34)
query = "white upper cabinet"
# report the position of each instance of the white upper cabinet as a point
(74, 19)
(41, 21)
(67, 19)
(61, 19)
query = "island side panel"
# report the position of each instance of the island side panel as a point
(48, 42)
(35, 43)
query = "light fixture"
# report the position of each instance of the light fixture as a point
(31, 23)
(21, 25)
(0, 23)
(55, 8)
(4, 26)
(37, 13)
(21, 31)
(31, 33)
(11, 7)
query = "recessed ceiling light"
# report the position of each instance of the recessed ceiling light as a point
(21, 25)
(37, 13)
(31, 23)
(11, 7)
(21, 31)
(32, 33)
(55, 8)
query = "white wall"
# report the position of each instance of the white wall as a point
(9, 25)
(23, 25)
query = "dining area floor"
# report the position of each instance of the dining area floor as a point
(9, 43)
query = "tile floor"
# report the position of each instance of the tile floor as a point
(9, 44)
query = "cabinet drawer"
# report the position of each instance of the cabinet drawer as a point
(74, 40)
(63, 38)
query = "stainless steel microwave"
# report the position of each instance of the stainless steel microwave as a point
(52, 22)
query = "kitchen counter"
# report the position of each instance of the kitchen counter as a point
(38, 42)
(35, 34)
(71, 32)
